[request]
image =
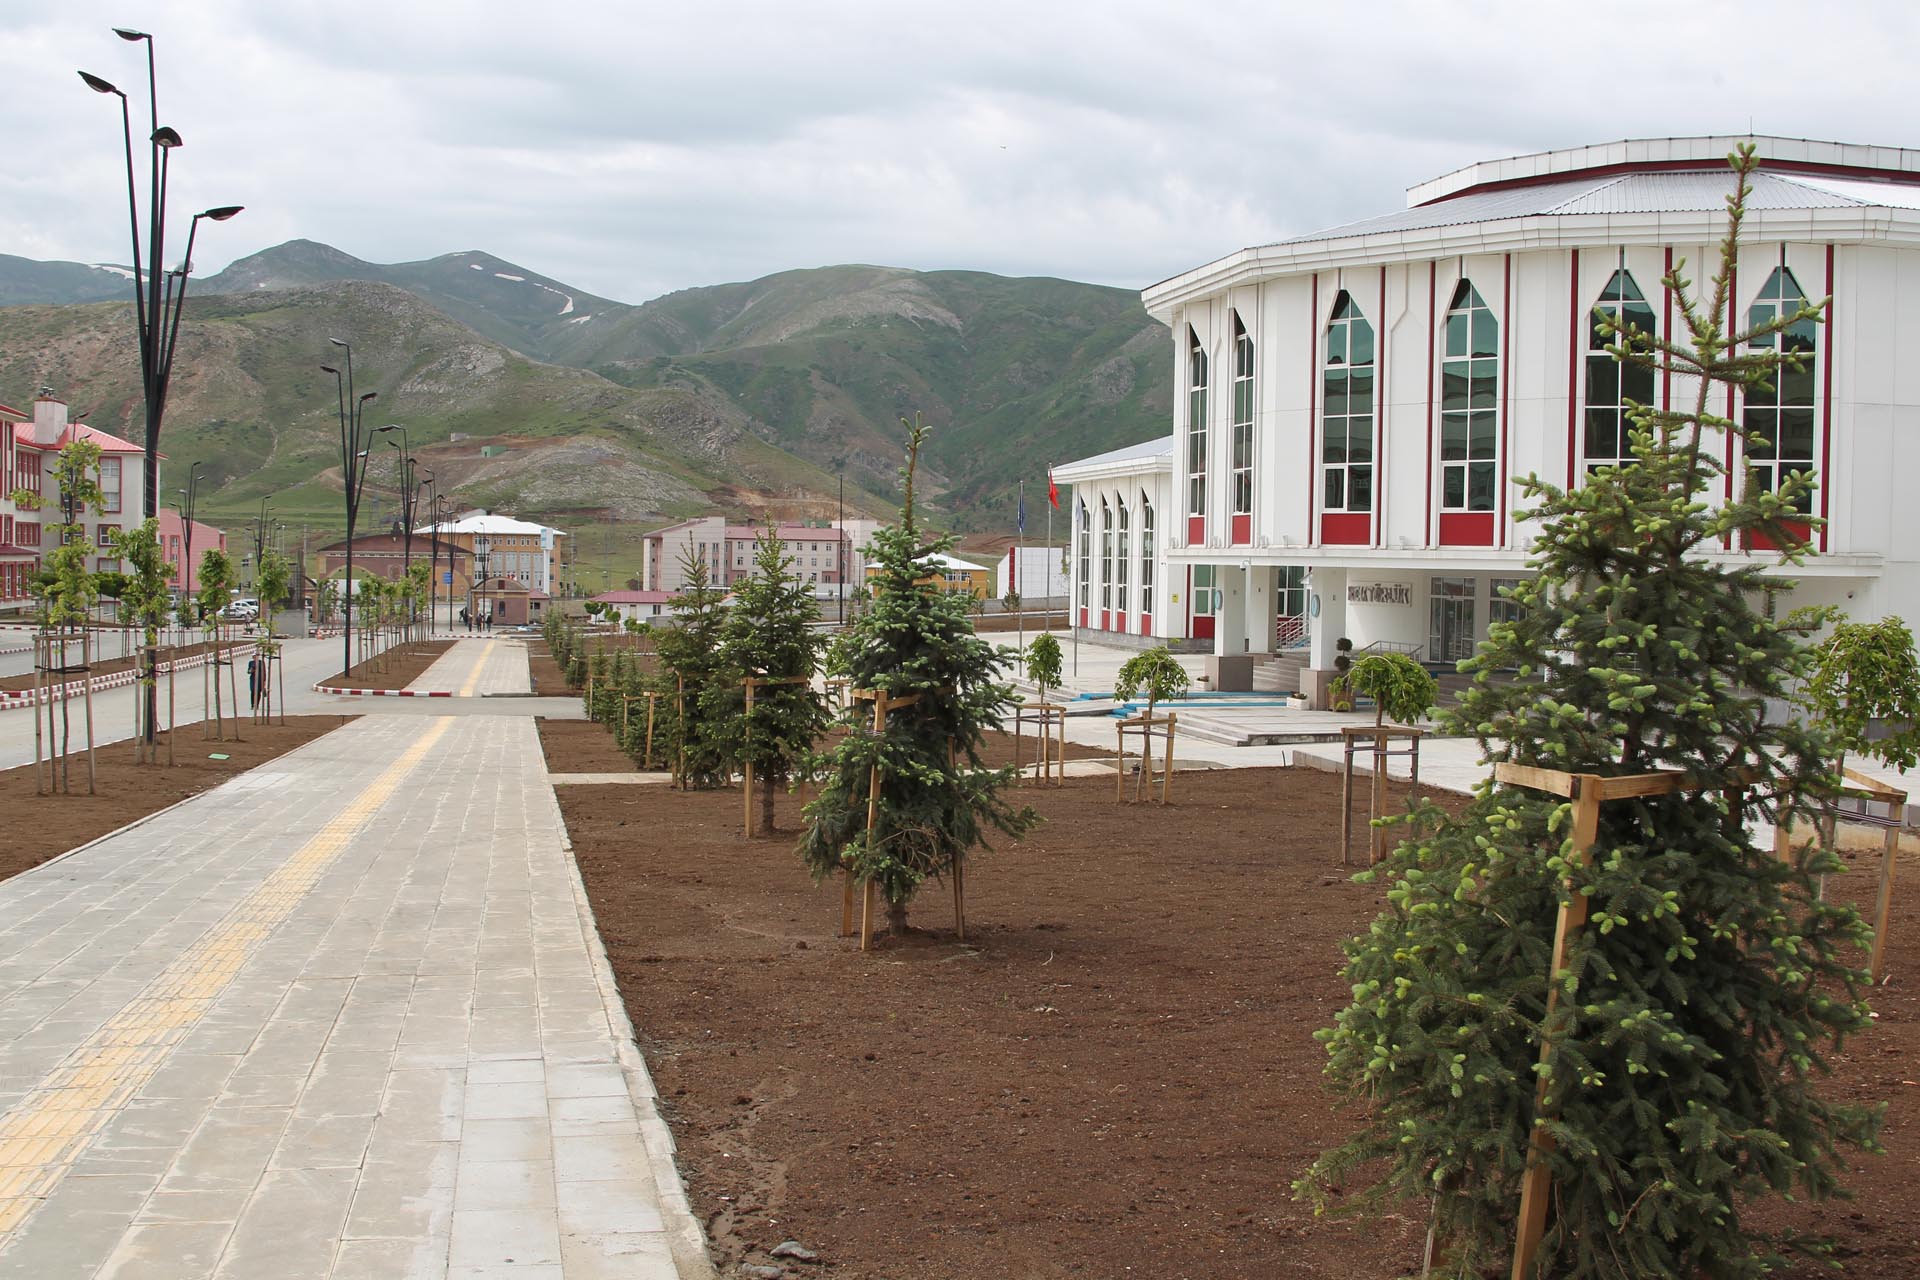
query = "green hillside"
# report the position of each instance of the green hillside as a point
(754, 396)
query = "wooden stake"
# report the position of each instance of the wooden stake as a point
(959, 901)
(1535, 1185)
(1346, 808)
(651, 698)
(1884, 910)
(746, 781)
(86, 686)
(873, 817)
(1119, 763)
(1377, 803)
(40, 696)
(846, 900)
(171, 718)
(1166, 774)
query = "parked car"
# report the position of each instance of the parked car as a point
(242, 610)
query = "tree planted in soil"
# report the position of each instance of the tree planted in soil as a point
(689, 652)
(216, 578)
(1154, 670)
(1043, 663)
(1865, 675)
(937, 800)
(1401, 688)
(769, 633)
(144, 598)
(1710, 987)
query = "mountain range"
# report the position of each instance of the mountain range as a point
(524, 393)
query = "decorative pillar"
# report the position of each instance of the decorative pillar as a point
(1326, 623)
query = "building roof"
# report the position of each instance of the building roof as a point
(490, 524)
(1649, 190)
(635, 597)
(787, 532)
(23, 434)
(8, 411)
(1148, 455)
(389, 544)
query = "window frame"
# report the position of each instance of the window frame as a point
(1197, 385)
(1762, 409)
(1120, 574)
(1241, 433)
(1346, 314)
(1146, 554)
(1598, 365)
(1106, 556)
(1480, 366)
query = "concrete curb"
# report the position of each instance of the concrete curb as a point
(12, 699)
(685, 1236)
(355, 692)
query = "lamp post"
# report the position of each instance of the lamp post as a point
(190, 493)
(408, 498)
(433, 548)
(157, 303)
(259, 541)
(353, 470)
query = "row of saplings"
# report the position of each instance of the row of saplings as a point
(1588, 1030)
(903, 792)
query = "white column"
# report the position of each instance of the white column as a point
(1326, 614)
(1230, 627)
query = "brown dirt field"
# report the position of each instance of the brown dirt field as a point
(1117, 1075)
(40, 827)
(111, 666)
(544, 673)
(404, 663)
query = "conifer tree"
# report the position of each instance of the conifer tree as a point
(937, 800)
(769, 632)
(689, 651)
(1703, 998)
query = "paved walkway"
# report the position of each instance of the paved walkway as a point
(346, 1016)
(478, 668)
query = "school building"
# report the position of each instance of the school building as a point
(1354, 405)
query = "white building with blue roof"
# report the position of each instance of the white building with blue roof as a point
(1353, 406)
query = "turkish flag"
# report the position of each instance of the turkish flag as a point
(1053, 490)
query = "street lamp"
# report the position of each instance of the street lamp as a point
(353, 470)
(190, 493)
(433, 548)
(259, 542)
(407, 495)
(157, 302)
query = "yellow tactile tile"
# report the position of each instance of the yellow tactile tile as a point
(42, 1137)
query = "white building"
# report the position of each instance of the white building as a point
(29, 452)
(1038, 572)
(504, 547)
(1354, 406)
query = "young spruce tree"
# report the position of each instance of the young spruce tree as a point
(936, 797)
(1703, 998)
(689, 651)
(769, 632)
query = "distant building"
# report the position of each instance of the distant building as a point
(823, 555)
(1039, 573)
(28, 447)
(503, 547)
(384, 555)
(641, 606)
(174, 545)
(954, 573)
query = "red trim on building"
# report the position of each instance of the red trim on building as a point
(1196, 531)
(1106, 619)
(1313, 403)
(1146, 624)
(1733, 312)
(1345, 529)
(1379, 530)
(1243, 530)
(1826, 405)
(1678, 166)
(1758, 541)
(1466, 528)
(1083, 617)
(1573, 365)
(1666, 331)
(1189, 598)
(1506, 382)
(1433, 274)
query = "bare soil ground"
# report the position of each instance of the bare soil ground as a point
(397, 668)
(544, 673)
(42, 826)
(1116, 1075)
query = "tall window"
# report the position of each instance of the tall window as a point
(1146, 555)
(1346, 388)
(1242, 420)
(1290, 584)
(1469, 400)
(1196, 426)
(1086, 554)
(1120, 600)
(1610, 382)
(1782, 417)
(1106, 555)
(110, 484)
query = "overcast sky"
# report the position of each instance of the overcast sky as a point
(635, 148)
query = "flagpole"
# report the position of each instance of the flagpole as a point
(1019, 565)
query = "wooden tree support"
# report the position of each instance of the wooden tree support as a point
(1050, 768)
(1148, 727)
(1859, 786)
(1375, 739)
(627, 700)
(883, 703)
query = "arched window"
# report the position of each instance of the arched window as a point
(1612, 382)
(1196, 425)
(1106, 555)
(1120, 601)
(1242, 419)
(1085, 521)
(1469, 404)
(1146, 554)
(1346, 421)
(1782, 417)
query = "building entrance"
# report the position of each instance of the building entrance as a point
(1451, 635)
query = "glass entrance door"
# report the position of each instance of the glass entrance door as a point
(1451, 635)
(1206, 602)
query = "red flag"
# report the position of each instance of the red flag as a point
(1053, 490)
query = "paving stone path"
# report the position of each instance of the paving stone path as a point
(346, 1016)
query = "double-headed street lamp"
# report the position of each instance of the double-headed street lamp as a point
(189, 494)
(433, 548)
(259, 541)
(408, 497)
(353, 471)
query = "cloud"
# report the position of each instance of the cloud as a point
(630, 150)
